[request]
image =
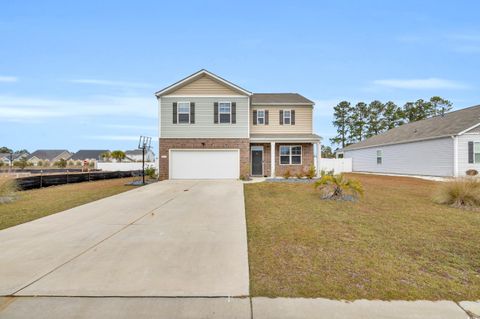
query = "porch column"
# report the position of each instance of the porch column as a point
(319, 157)
(272, 159)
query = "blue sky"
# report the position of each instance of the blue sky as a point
(81, 75)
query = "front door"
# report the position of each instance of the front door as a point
(257, 162)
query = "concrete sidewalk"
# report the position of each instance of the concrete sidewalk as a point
(242, 308)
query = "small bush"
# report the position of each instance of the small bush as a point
(150, 172)
(8, 187)
(326, 173)
(310, 173)
(471, 172)
(299, 174)
(287, 174)
(460, 193)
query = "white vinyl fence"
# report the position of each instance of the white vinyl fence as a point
(127, 166)
(338, 165)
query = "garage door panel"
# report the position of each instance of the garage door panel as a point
(204, 164)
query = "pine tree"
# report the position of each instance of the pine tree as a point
(358, 122)
(342, 115)
(376, 122)
(440, 106)
(393, 115)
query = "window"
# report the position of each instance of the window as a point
(476, 152)
(379, 157)
(260, 117)
(183, 111)
(225, 112)
(290, 155)
(287, 117)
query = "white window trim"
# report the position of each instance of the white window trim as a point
(290, 155)
(178, 112)
(474, 157)
(289, 117)
(219, 112)
(263, 117)
(381, 156)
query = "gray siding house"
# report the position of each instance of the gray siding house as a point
(447, 146)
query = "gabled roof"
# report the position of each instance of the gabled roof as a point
(47, 154)
(198, 75)
(280, 99)
(451, 124)
(88, 154)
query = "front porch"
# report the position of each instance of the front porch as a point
(292, 152)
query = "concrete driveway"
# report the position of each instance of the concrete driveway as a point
(173, 238)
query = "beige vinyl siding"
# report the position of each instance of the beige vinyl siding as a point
(204, 86)
(204, 126)
(303, 120)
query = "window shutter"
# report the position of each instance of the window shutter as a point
(234, 112)
(470, 152)
(266, 117)
(192, 112)
(281, 117)
(174, 112)
(254, 117)
(292, 114)
(215, 112)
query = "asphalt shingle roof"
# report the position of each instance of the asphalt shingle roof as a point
(279, 98)
(450, 124)
(87, 154)
(47, 154)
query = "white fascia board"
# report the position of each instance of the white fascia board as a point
(468, 129)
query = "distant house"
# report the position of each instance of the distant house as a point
(7, 158)
(136, 155)
(88, 155)
(446, 145)
(48, 156)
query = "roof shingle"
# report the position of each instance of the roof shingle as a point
(280, 98)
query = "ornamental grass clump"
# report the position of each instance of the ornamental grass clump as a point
(460, 193)
(339, 187)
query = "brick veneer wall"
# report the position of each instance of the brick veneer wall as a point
(307, 159)
(204, 143)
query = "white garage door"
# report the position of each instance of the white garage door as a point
(204, 164)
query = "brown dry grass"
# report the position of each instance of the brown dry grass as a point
(33, 204)
(395, 243)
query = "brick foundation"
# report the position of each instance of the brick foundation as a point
(204, 143)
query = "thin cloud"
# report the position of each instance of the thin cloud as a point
(8, 79)
(18, 109)
(111, 83)
(420, 84)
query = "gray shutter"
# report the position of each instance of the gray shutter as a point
(281, 117)
(254, 117)
(174, 113)
(266, 117)
(470, 152)
(215, 112)
(234, 112)
(292, 114)
(192, 112)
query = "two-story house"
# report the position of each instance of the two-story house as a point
(211, 128)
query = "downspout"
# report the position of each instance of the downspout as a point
(455, 155)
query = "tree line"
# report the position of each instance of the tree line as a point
(355, 123)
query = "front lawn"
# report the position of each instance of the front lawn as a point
(392, 244)
(36, 203)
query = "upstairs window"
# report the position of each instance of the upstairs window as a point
(290, 155)
(225, 112)
(183, 111)
(379, 157)
(260, 117)
(287, 117)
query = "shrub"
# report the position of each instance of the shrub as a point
(61, 163)
(460, 193)
(22, 163)
(471, 172)
(150, 172)
(326, 173)
(310, 173)
(287, 174)
(8, 187)
(338, 187)
(1, 163)
(299, 174)
(39, 163)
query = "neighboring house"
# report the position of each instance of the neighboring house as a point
(88, 155)
(7, 158)
(48, 156)
(211, 128)
(446, 145)
(136, 155)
